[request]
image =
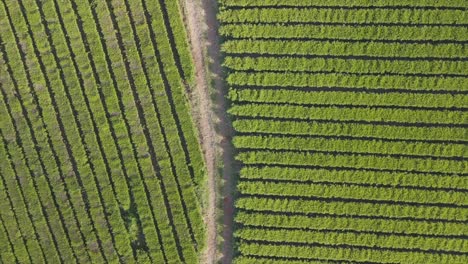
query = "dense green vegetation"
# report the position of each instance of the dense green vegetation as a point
(350, 119)
(351, 127)
(99, 159)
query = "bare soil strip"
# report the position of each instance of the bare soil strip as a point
(215, 131)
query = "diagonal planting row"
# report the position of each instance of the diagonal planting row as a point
(130, 210)
(139, 211)
(176, 213)
(100, 160)
(8, 250)
(75, 150)
(39, 137)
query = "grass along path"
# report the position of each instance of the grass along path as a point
(214, 128)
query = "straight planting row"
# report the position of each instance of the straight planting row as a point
(360, 209)
(399, 180)
(351, 66)
(343, 223)
(341, 113)
(344, 191)
(440, 101)
(429, 245)
(342, 48)
(356, 161)
(340, 80)
(424, 149)
(356, 130)
(346, 32)
(458, 4)
(353, 16)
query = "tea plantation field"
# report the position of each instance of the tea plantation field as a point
(350, 123)
(351, 127)
(99, 159)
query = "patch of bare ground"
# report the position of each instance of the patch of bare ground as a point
(208, 100)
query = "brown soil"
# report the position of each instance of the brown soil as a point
(215, 131)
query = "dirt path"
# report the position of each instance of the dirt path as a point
(209, 106)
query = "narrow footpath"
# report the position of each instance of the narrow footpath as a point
(209, 108)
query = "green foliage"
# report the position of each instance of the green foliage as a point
(348, 98)
(257, 260)
(344, 80)
(329, 15)
(360, 67)
(352, 208)
(321, 47)
(93, 169)
(358, 161)
(347, 254)
(379, 178)
(346, 32)
(320, 190)
(174, 14)
(370, 114)
(346, 223)
(351, 129)
(387, 241)
(350, 145)
(344, 3)
(339, 129)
